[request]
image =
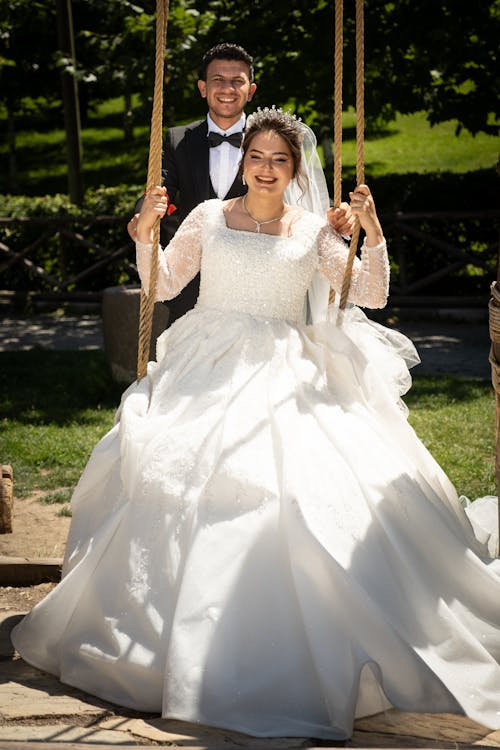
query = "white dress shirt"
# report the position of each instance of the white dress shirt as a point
(224, 159)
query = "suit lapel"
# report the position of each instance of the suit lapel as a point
(198, 148)
(236, 189)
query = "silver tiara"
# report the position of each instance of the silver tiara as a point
(277, 114)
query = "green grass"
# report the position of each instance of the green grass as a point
(59, 497)
(107, 158)
(412, 145)
(408, 145)
(455, 419)
(55, 406)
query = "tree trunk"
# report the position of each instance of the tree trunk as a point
(70, 102)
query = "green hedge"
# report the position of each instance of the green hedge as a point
(62, 257)
(435, 192)
(109, 201)
(410, 192)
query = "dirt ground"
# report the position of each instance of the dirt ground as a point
(23, 598)
(38, 532)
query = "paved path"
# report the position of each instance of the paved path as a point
(457, 348)
(36, 708)
(50, 332)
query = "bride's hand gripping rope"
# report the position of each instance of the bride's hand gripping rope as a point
(155, 205)
(363, 206)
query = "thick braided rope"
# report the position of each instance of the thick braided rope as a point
(360, 156)
(337, 105)
(494, 323)
(153, 178)
(337, 109)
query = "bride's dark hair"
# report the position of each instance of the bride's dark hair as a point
(283, 124)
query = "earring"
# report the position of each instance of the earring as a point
(243, 179)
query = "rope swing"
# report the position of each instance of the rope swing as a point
(155, 157)
(153, 178)
(337, 129)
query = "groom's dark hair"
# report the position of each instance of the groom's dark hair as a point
(225, 51)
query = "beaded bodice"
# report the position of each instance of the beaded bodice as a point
(255, 273)
(261, 274)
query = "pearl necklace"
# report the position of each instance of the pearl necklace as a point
(259, 224)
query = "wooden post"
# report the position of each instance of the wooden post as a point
(6, 499)
(494, 320)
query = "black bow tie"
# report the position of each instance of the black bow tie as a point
(215, 139)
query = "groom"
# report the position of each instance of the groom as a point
(201, 159)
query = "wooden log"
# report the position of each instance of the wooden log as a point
(6, 499)
(25, 571)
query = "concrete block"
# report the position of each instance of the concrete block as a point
(120, 316)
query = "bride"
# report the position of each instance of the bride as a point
(261, 542)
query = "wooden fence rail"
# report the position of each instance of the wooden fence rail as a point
(453, 256)
(66, 232)
(428, 250)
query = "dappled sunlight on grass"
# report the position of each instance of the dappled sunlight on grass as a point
(407, 145)
(411, 144)
(107, 158)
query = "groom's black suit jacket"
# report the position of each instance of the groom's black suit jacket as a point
(186, 175)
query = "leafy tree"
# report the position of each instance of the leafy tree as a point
(114, 51)
(441, 57)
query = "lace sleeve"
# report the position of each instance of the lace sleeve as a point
(179, 262)
(370, 273)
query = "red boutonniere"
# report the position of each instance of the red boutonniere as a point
(171, 208)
